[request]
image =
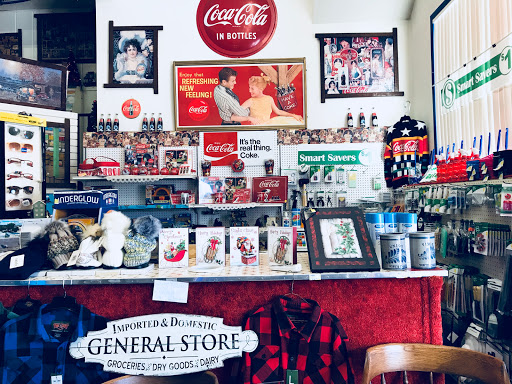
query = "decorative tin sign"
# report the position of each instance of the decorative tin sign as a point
(165, 344)
(131, 108)
(244, 246)
(211, 246)
(173, 248)
(236, 28)
(272, 189)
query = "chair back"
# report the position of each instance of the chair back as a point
(194, 378)
(433, 358)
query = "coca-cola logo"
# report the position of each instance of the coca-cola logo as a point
(198, 110)
(269, 184)
(131, 108)
(408, 146)
(236, 28)
(220, 148)
(348, 54)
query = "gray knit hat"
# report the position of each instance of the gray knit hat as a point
(137, 250)
(62, 243)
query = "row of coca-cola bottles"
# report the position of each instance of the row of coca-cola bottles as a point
(362, 120)
(151, 125)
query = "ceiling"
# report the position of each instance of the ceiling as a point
(355, 11)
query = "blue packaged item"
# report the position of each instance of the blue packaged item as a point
(390, 222)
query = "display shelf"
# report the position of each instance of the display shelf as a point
(230, 207)
(133, 178)
(164, 206)
(228, 274)
(458, 183)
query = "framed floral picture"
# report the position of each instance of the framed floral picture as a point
(133, 57)
(338, 240)
(358, 65)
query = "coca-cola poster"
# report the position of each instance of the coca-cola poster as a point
(240, 95)
(222, 148)
(236, 28)
(362, 64)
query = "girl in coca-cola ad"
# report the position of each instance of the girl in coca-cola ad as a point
(261, 106)
(132, 62)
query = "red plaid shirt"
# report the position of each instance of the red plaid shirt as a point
(299, 336)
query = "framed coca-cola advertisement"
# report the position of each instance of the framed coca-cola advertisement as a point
(358, 65)
(133, 57)
(235, 95)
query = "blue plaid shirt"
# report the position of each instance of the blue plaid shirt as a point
(34, 347)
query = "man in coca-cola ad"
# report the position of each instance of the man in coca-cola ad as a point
(228, 102)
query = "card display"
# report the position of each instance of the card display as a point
(244, 246)
(173, 248)
(282, 245)
(211, 246)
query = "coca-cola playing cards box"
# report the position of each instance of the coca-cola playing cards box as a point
(272, 189)
(244, 246)
(210, 246)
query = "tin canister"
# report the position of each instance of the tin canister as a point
(423, 250)
(375, 224)
(390, 223)
(393, 252)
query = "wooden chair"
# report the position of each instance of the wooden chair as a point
(433, 358)
(193, 378)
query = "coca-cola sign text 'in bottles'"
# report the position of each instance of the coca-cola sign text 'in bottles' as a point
(236, 28)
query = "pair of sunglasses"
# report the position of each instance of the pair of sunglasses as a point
(14, 160)
(19, 203)
(14, 190)
(18, 174)
(15, 131)
(25, 148)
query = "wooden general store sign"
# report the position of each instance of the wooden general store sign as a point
(163, 344)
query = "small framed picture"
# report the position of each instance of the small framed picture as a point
(338, 240)
(173, 248)
(133, 57)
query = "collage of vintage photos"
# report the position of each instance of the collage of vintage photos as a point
(123, 139)
(358, 65)
(331, 136)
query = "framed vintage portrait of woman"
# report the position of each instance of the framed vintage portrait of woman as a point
(133, 57)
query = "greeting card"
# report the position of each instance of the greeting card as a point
(282, 245)
(210, 246)
(173, 248)
(244, 246)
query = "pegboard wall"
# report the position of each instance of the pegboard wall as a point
(490, 265)
(365, 177)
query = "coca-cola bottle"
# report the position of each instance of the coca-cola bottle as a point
(130, 108)
(375, 121)
(350, 120)
(152, 123)
(362, 120)
(108, 124)
(160, 123)
(145, 124)
(115, 126)
(101, 124)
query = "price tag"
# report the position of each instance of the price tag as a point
(17, 261)
(56, 379)
(172, 291)
(315, 276)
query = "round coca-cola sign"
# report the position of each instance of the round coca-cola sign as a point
(198, 110)
(236, 28)
(131, 108)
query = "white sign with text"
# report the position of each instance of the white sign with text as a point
(163, 344)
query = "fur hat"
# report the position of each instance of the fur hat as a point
(141, 241)
(115, 221)
(147, 226)
(62, 243)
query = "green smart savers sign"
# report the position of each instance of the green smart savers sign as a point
(334, 156)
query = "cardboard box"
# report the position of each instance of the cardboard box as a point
(91, 203)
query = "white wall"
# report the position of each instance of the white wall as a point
(294, 37)
(420, 78)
